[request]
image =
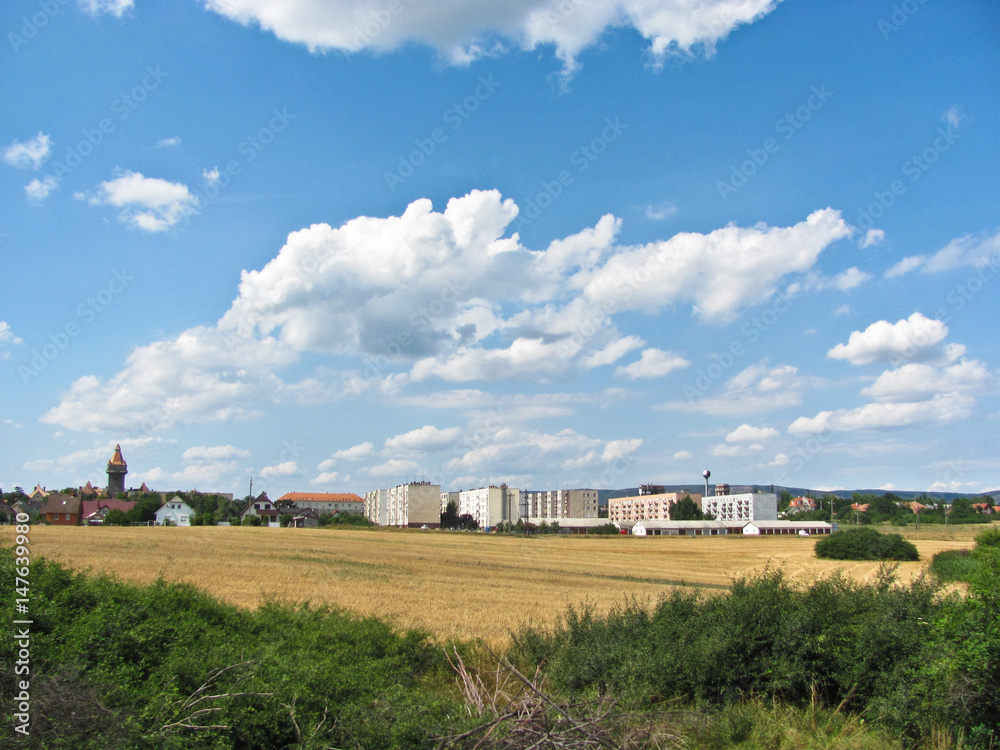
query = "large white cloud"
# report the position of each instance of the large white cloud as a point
(147, 203)
(464, 30)
(918, 380)
(429, 295)
(748, 434)
(914, 339)
(720, 272)
(941, 409)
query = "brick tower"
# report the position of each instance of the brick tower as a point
(117, 469)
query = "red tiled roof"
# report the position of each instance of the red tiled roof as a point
(322, 497)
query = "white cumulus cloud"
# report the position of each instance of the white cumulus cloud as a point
(116, 8)
(748, 434)
(283, 469)
(914, 338)
(147, 203)
(654, 363)
(38, 190)
(463, 31)
(30, 154)
(426, 438)
(941, 409)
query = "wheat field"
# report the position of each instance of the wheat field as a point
(466, 586)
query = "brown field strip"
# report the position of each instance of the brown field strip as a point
(454, 585)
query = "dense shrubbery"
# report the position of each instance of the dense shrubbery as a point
(116, 665)
(865, 543)
(899, 653)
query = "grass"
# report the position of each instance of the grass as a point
(464, 586)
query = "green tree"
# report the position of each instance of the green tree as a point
(449, 518)
(685, 509)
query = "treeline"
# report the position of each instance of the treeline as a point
(891, 509)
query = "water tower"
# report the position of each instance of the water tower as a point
(706, 474)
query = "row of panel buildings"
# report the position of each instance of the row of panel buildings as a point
(420, 504)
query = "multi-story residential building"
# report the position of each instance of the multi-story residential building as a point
(555, 504)
(647, 507)
(415, 504)
(746, 506)
(448, 497)
(492, 505)
(377, 507)
(325, 502)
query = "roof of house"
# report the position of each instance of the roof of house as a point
(322, 497)
(57, 502)
(654, 524)
(92, 506)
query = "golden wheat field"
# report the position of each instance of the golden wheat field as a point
(452, 584)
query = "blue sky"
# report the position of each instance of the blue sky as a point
(335, 245)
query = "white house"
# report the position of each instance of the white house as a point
(654, 527)
(174, 512)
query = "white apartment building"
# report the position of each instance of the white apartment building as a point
(555, 504)
(415, 504)
(490, 506)
(647, 507)
(377, 507)
(747, 506)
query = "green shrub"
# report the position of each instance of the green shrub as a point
(988, 538)
(864, 543)
(954, 565)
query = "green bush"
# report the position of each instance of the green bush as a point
(954, 565)
(865, 544)
(117, 666)
(988, 538)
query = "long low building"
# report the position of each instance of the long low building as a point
(573, 525)
(767, 528)
(681, 528)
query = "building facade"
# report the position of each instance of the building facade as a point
(647, 507)
(325, 502)
(555, 504)
(377, 507)
(747, 506)
(414, 505)
(490, 506)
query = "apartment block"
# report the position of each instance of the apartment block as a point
(746, 506)
(555, 504)
(415, 504)
(325, 502)
(491, 505)
(377, 507)
(647, 507)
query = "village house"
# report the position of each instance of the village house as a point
(61, 509)
(174, 512)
